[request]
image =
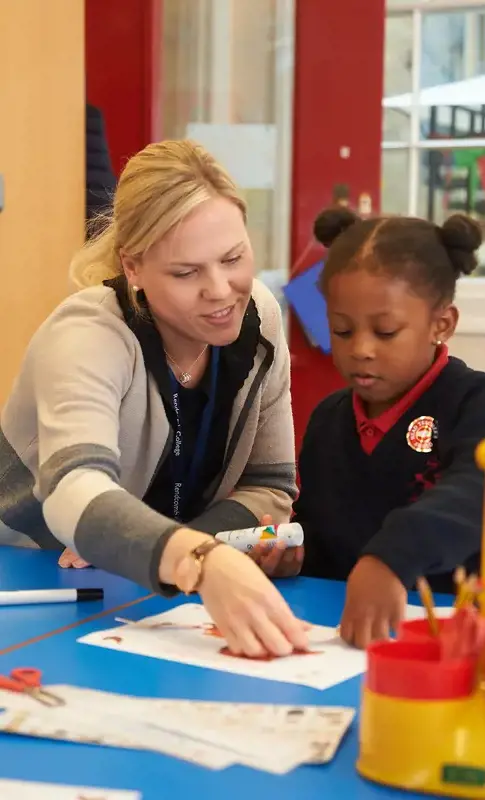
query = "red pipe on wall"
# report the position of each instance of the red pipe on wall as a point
(123, 71)
(337, 104)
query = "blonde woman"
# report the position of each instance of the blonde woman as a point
(153, 406)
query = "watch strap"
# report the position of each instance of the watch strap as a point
(203, 549)
(189, 572)
(200, 553)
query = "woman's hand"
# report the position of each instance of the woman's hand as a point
(71, 559)
(277, 561)
(248, 610)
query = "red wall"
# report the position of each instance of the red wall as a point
(123, 44)
(337, 103)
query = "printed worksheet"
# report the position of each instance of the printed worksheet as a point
(215, 735)
(25, 790)
(187, 634)
(22, 715)
(320, 729)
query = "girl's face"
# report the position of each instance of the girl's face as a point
(383, 335)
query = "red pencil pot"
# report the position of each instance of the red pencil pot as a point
(414, 670)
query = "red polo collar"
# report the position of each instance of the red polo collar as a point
(371, 431)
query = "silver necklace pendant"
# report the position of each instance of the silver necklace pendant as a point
(185, 376)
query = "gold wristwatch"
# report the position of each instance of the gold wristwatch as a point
(189, 571)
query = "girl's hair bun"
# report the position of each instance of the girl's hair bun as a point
(331, 223)
(461, 237)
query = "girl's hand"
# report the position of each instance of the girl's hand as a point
(375, 603)
(277, 561)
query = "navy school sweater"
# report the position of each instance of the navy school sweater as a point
(418, 512)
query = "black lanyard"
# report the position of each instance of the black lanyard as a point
(185, 475)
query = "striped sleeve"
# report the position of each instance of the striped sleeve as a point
(82, 367)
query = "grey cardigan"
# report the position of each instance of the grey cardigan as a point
(85, 429)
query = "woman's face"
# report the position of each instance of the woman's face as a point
(198, 279)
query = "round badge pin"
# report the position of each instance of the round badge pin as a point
(420, 434)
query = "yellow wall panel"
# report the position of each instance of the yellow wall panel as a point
(42, 153)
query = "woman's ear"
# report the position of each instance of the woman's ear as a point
(131, 267)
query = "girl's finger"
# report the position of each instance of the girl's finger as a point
(363, 633)
(291, 562)
(271, 561)
(346, 627)
(346, 632)
(258, 552)
(380, 629)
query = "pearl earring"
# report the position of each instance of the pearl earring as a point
(437, 343)
(135, 289)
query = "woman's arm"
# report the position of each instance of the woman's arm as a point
(80, 366)
(443, 528)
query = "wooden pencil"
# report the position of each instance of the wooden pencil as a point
(459, 579)
(426, 596)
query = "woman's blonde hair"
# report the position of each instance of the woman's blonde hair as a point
(157, 189)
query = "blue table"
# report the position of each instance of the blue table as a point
(23, 568)
(62, 660)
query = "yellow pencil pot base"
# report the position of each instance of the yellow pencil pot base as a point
(436, 747)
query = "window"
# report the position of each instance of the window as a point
(433, 159)
(237, 105)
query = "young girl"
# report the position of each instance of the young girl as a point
(389, 486)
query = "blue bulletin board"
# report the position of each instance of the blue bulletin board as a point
(304, 297)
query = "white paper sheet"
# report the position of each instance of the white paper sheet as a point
(25, 790)
(186, 635)
(216, 735)
(318, 728)
(23, 715)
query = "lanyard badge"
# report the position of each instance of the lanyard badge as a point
(184, 474)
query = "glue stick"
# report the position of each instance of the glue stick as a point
(291, 534)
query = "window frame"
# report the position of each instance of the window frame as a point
(470, 295)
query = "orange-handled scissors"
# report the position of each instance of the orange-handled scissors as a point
(29, 681)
